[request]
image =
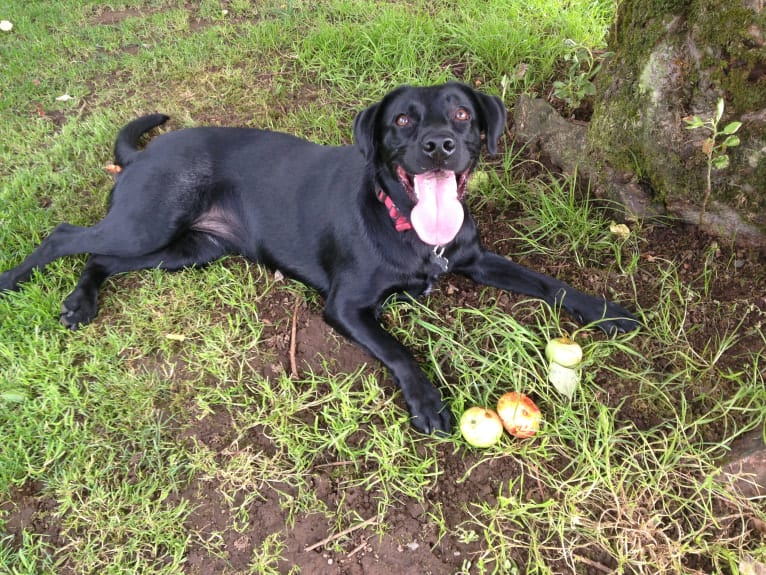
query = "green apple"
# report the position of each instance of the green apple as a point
(481, 427)
(563, 351)
(478, 181)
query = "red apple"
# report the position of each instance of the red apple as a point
(520, 416)
(481, 427)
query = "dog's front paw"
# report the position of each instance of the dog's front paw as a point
(610, 317)
(429, 413)
(7, 283)
(78, 309)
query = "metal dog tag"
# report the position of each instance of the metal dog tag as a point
(437, 256)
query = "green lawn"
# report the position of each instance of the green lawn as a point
(156, 439)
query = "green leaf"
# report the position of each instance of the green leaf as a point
(564, 379)
(694, 122)
(721, 162)
(13, 396)
(731, 141)
(719, 110)
(731, 127)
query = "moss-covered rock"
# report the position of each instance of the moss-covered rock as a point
(675, 59)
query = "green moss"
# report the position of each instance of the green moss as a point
(735, 56)
(663, 69)
(630, 47)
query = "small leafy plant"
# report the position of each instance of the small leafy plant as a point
(583, 66)
(715, 146)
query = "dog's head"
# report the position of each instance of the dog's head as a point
(424, 142)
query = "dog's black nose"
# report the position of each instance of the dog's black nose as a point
(439, 146)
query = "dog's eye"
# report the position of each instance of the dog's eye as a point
(402, 120)
(462, 115)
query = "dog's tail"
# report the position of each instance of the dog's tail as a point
(126, 145)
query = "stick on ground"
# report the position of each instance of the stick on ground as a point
(326, 540)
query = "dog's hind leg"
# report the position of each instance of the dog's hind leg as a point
(193, 248)
(115, 235)
(50, 249)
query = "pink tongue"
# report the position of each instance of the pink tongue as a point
(438, 215)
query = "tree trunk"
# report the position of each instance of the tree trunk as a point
(674, 60)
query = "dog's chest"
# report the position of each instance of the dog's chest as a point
(435, 264)
(438, 259)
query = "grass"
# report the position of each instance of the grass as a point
(178, 386)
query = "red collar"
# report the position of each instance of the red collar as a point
(402, 223)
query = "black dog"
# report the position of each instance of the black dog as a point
(358, 223)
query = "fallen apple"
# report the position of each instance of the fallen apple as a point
(479, 179)
(563, 351)
(519, 414)
(481, 427)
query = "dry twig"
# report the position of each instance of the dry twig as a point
(326, 540)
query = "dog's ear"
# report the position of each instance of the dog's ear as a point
(493, 119)
(364, 131)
